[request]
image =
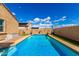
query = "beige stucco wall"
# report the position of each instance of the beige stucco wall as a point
(11, 25)
(24, 30)
(35, 31)
(41, 31)
(2, 36)
(45, 30)
(28, 31)
(49, 30)
(71, 32)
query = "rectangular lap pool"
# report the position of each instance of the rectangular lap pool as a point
(40, 45)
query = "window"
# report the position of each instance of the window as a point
(1, 25)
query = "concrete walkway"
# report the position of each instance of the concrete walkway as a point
(19, 40)
(8, 43)
(72, 46)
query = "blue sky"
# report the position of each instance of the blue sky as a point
(59, 13)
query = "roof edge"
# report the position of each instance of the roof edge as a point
(9, 11)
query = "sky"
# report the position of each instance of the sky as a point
(64, 14)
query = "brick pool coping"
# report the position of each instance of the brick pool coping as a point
(72, 46)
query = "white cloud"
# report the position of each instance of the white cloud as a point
(35, 25)
(45, 25)
(42, 25)
(65, 25)
(64, 17)
(42, 20)
(46, 22)
(30, 21)
(61, 19)
(56, 20)
(36, 20)
(46, 19)
(13, 13)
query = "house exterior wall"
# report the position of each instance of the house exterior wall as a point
(25, 29)
(10, 23)
(2, 36)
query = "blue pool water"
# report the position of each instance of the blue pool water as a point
(40, 45)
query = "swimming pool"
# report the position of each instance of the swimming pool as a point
(40, 45)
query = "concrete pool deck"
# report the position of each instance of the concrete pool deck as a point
(12, 42)
(19, 40)
(72, 46)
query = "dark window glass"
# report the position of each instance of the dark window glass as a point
(1, 25)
